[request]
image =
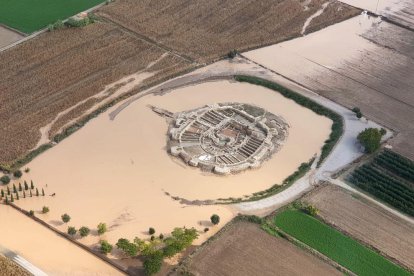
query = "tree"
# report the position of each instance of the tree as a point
(65, 218)
(72, 231)
(31, 184)
(24, 194)
(102, 228)
(5, 179)
(17, 196)
(18, 174)
(106, 247)
(20, 187)
(43, 192)
(31, 195)
(161, 236)
(11, 199)
(8, 190)
(2, 193)
(14, 189)
(153, 263)
(7, 200)
(37, 192)
(31, 213)
(151, 231)
(370, 139)
(215, 219)
(45, 209)
(84, 231)
(26, 187)
(206, 229)
(311, 210)
(128, 247)
(27, 170)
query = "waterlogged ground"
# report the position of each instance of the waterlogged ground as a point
(118, 171)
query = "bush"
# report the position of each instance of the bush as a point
(232, 54)
(370, 139)
(45, 209)
(72, 231)
(101, 228)
(5, 179)
(153, 263)
(56, 26)
(311, 210)
(31, 213)
(356, 110)
(215, 219)
(18, 174)
(106, 247)
(206, 229)
(27, 170)
(151, 231)
(127, 247)
(65, 218)
(77, 23)
(84, 231)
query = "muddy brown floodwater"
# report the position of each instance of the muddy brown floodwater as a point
(117, 171)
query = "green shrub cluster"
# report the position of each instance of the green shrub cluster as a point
(337, 126)
(77, 23)
(386, 178)
(396, 164)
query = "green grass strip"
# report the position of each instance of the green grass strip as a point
(337, 126)
(335, 245)
(29, 16)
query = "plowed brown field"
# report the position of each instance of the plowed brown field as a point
(366, 222)
(206, 30)
(245, 249)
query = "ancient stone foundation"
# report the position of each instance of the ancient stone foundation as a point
(226, 138)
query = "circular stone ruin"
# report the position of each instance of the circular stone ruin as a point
(226, 138)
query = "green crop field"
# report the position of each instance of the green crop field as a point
(333, 244)
(29, 16)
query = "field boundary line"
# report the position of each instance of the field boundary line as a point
(75, 242)
(147, 39)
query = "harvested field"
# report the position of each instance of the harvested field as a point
(360, 62)
(366, 222)
(48, 75)
(9, 268)
(7, 37)
(245, 249)
(206, 30)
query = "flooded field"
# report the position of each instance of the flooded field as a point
(362, 62)
(45, 249)
(118, 171)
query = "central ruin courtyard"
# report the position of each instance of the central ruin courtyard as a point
(226, 138)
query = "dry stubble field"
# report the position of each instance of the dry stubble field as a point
(9, 268)
(366, 222)
(245, 249)
(55, 71)
(207, 30)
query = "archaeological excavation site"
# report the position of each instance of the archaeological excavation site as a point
(226, 138)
